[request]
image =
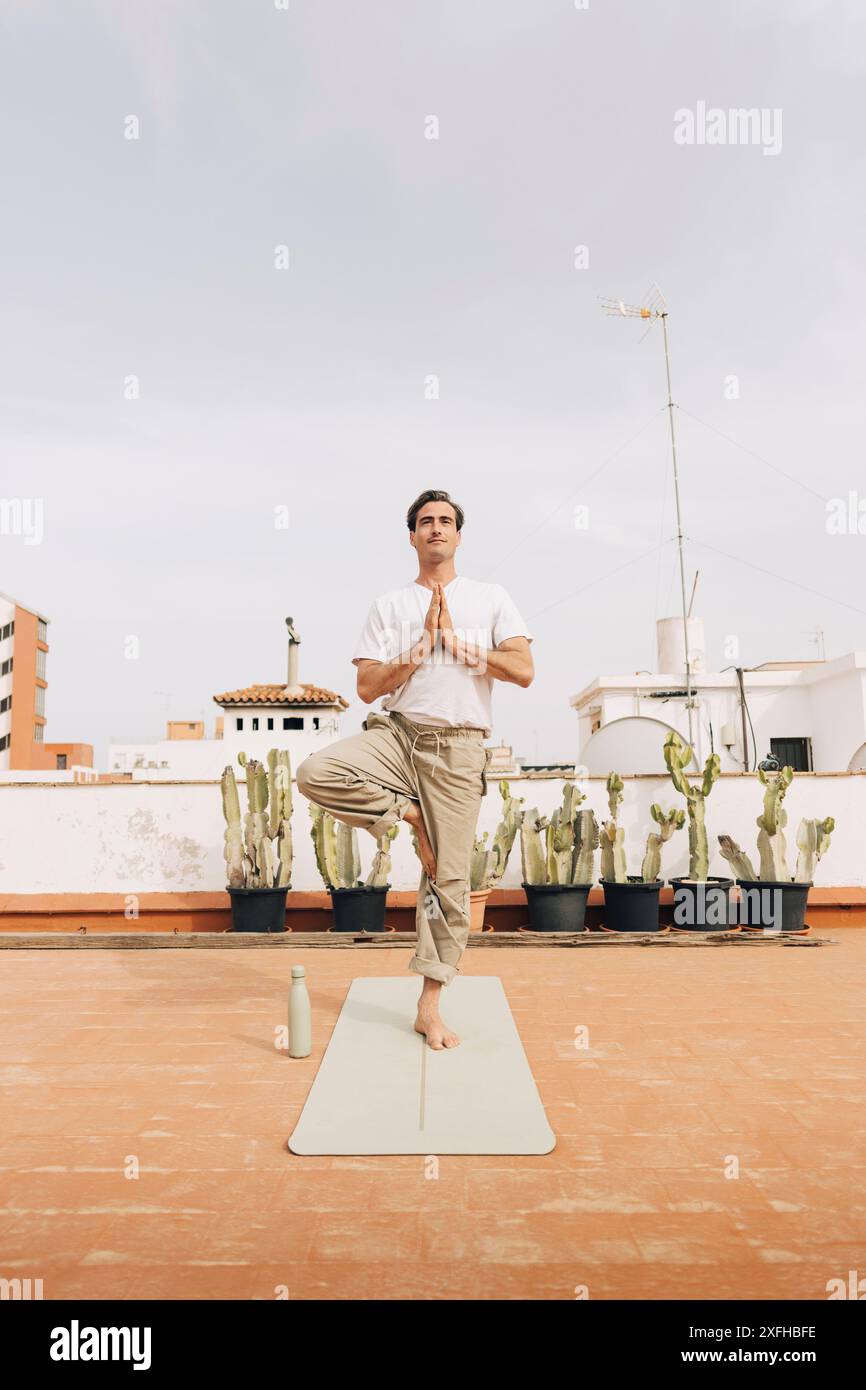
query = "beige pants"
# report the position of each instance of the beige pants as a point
(370, 779)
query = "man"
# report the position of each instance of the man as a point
(434, 647)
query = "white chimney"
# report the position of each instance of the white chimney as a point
(292, 685)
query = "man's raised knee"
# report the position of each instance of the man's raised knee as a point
(305, 775)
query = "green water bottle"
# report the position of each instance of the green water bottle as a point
(300, 1015)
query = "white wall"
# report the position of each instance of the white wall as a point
(838, 719)
(205, 758)
(146, 838)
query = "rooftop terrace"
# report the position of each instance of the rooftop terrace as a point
(163, 1062)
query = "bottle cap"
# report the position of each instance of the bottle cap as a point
(298, 971)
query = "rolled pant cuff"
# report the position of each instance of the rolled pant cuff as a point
(443, 973)
(391, 817)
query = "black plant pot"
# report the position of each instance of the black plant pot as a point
(702, 905)
(631, 906)
(359, 909)
(556, 906)
(259, 909)
(760, 909)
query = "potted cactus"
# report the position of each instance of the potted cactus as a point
(557, 859)
(358, 906)
(259, 853)
(774, 898)
(631, 901)
(701, 901)
(488, 863)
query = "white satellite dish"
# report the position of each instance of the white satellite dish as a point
(629, 745)
(858, 762)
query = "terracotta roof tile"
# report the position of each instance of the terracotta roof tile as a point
(302, 694)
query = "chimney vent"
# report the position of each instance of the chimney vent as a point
(292, 685)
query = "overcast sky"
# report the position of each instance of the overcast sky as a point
(409, 258)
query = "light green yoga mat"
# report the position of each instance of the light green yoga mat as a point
(380, 1089)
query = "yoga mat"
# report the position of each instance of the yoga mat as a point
(381, 1089)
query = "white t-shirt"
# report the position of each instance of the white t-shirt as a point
(442, 691)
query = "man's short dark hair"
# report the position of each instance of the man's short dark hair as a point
(432, 495)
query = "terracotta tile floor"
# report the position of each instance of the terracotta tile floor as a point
(146, 1111)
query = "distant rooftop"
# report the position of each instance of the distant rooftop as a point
(787, 665)
(26, 606)
(302, 694)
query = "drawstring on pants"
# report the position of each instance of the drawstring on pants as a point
(421, 734)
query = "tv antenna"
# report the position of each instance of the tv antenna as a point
(651, 310)
(817, 636)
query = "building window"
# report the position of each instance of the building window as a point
(5, 667)
(41, 630)
(255, 724)
(40, 699)
(6, 631)
(270, 724)
(40, 663)
(38, 733)
(293, 723)
(5, 703)
(239, 723)
(315, 721)
(4, 743)
(61, 762)
(793, 752)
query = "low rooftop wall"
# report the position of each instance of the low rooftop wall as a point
(60, 838)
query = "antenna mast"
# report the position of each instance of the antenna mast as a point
(655, 308)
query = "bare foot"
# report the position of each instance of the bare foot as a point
(430, 1024)
(425, 849)
(429, 1021)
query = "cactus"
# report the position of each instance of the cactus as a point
(284, 856)
(813, 840)
(667, 822)
(533, 840)
(561, 849)
(506, 831)
(481, 868)
(413, 835)
(255, 822)
(614, 793)
(280, 826)
(586, 842)
(378, 875)
(489, 861)
(560, 836)
(253, 860)
(348, 858)
(776, 783)
(813, 837)
(323, 832)
(613, 861)
(234, 843)
(737, 858)
(613, 865)
(771, 838)
(771, 825)
(337, 857)
(678, 756)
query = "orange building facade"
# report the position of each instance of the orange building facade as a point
(23, 686)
